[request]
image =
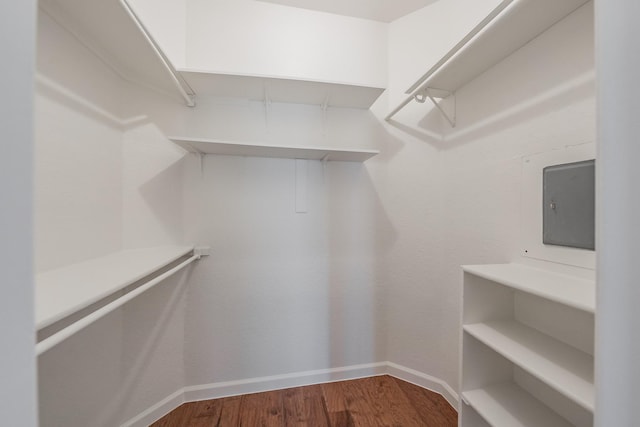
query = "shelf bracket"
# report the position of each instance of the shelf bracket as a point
(267, 104)
(324, 161)
(202, 251)
(426, 93)
(201, 159)
(421, 96)
(302, 176)
(324, 106)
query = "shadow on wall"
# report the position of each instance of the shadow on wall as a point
(153, 337)
(67, 98)
(554, 70)
(153, 192)
(103, 375)
(359, 234)
(151, 167)
(484, 122)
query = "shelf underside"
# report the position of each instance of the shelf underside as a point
(506, 404)
(560, 366)
(204, 146)
(274, 89)
(67, 290)
(513, 27)
(568, 290)
(106, 28)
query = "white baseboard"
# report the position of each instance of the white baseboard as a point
(157, 411)
(296, 379)
(276, 382)
(425, 381)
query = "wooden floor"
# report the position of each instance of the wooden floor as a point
(368, 402)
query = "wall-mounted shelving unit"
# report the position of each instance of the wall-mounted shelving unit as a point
(277, 89)
(112, 30)
(527, 347)
(511, 25)
(210, 146)
(67, 290)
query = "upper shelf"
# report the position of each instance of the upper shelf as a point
(112, 30)
(67, 290)
(210, 146)
(568, 290)
(275, 89)
(511, 25)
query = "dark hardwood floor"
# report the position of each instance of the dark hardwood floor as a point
(367, 402)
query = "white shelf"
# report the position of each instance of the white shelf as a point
(511, 25)
(67, 290)
(508, 405)
(562, 367)
(277, 89)
(571, 291)
(109, 28)
(208, 146)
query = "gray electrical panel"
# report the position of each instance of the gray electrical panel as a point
(568, 205)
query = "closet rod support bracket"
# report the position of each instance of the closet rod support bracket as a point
(202, 251)
(427, 93)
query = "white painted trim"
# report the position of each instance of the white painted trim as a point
(425, 381)
(277, 382)
(296, 379)
(157, 411)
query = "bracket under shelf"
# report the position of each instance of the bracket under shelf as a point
(431, 94)
(422, 94)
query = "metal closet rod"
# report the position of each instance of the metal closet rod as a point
(188, 93)
(55, 339)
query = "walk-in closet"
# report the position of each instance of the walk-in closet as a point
(304, 212)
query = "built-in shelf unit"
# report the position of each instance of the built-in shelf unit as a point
(509, 26)
(210, 146)
(527, 347)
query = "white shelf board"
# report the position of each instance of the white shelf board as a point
(516, 22)
(569, 290)
(67, 290)
(208, 146)
(277, 89)
(560, 366)
(507, 405)
(107, 28)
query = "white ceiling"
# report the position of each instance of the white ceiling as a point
(378, 10)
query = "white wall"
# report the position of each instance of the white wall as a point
(152, 188)
(421, 307)
(257, 38)
(18, 404)
(78, 152)
(283, 292)
(462, 199)
(167, 21)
